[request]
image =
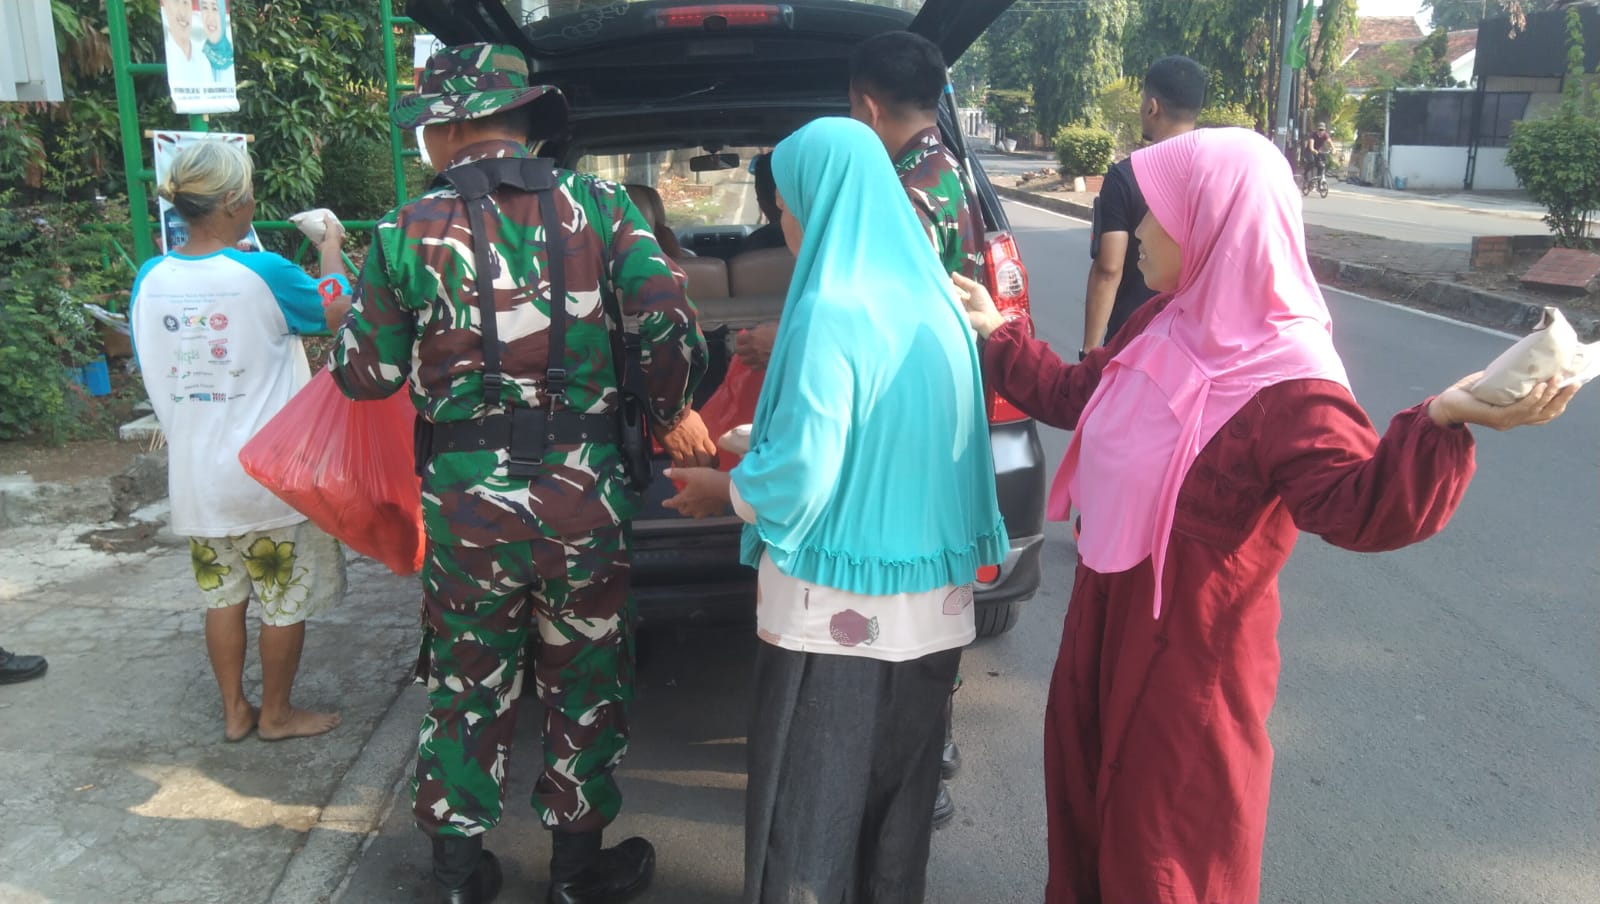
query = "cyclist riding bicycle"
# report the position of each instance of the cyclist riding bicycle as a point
(1319, 150)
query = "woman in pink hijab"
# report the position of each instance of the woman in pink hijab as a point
(1216, 425)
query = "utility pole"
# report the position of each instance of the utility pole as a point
(1291, 15)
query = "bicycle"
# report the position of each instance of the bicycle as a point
(1314, 175)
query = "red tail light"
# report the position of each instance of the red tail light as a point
(718, 16)
(988, 574)
(1007, 280)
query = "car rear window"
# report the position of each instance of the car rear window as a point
(716, 198)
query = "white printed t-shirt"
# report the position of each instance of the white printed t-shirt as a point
(810, 618)
(217, 344)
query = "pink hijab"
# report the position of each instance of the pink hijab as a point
(1247, 314)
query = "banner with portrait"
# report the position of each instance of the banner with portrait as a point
(198, 35)
(174, 231)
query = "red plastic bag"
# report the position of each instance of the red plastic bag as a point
(347, 466)
(732, 405)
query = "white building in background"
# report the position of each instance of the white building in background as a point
(30, 70)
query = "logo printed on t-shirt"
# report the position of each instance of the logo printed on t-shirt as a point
(219, 322)
(171, 323)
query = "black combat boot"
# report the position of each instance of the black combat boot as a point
(950, 762)
(944, 807)
(15, 669)
(467, 873)
(583, 873)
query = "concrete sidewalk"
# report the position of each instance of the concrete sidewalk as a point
(119, 787)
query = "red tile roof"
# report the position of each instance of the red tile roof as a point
(1384, 29)
(1461, 43)
(1368, 60)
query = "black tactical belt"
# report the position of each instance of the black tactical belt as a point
(526, 432)
(503, 431)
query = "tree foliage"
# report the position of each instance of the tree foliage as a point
(1076, 52)
(1233, 39)
(1012, 110)
(1117, 111)
(1430, 62)
(310, 72)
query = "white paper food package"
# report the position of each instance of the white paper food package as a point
(311, 223)
(1550, 351)
(736, 441)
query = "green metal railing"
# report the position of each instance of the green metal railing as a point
(138, 175)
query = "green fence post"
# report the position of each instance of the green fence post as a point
(128, 120)
(391, 91)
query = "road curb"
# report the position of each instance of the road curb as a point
(319, 869)
(1464, 302)
(1054, 205)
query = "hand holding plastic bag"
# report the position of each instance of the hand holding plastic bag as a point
(733, 405)
(348, 467)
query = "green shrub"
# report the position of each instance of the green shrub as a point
(50, 264)
(1556, 160)
(356, 178)
(1083, 151)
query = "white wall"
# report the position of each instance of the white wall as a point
(1442, 169)
(1492, 172)
(1429, 168)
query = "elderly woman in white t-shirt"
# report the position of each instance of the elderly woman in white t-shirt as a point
(216, 331)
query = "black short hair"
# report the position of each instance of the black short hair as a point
(1179, 83)
(766, 185)
(902, 70)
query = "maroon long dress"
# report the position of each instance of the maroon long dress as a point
(1157, 761)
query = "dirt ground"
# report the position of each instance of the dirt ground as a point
(97, 455)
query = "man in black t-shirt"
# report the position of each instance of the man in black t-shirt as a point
(1174, 91)
(1319, 150)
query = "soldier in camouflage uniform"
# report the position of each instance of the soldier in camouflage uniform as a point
(546, 551)
(896, 81)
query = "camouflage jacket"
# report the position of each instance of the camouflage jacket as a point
(932, 178)
(415, 322)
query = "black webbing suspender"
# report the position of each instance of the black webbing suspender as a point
(475, 182)
(532, 428)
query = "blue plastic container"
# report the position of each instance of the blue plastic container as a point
(94, 377)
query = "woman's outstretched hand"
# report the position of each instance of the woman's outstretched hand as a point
(981, 310)
(1457, 405)
(703, 492)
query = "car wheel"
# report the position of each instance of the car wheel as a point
(995, 619)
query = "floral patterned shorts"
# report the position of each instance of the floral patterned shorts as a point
(296, 571)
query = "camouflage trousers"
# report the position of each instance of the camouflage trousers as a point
(479, 605)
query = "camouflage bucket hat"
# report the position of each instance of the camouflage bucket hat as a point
(468, 82)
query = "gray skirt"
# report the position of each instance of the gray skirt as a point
(844, 765)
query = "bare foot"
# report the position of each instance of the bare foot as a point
(301, 723)
(238, 722)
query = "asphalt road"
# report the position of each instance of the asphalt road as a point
(1436, 218)
(1436, 729)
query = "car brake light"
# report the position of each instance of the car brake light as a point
(1008, 283)
(718, 16)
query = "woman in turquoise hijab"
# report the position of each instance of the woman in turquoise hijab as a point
(868, 493)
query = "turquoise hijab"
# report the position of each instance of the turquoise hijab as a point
(869, 466)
